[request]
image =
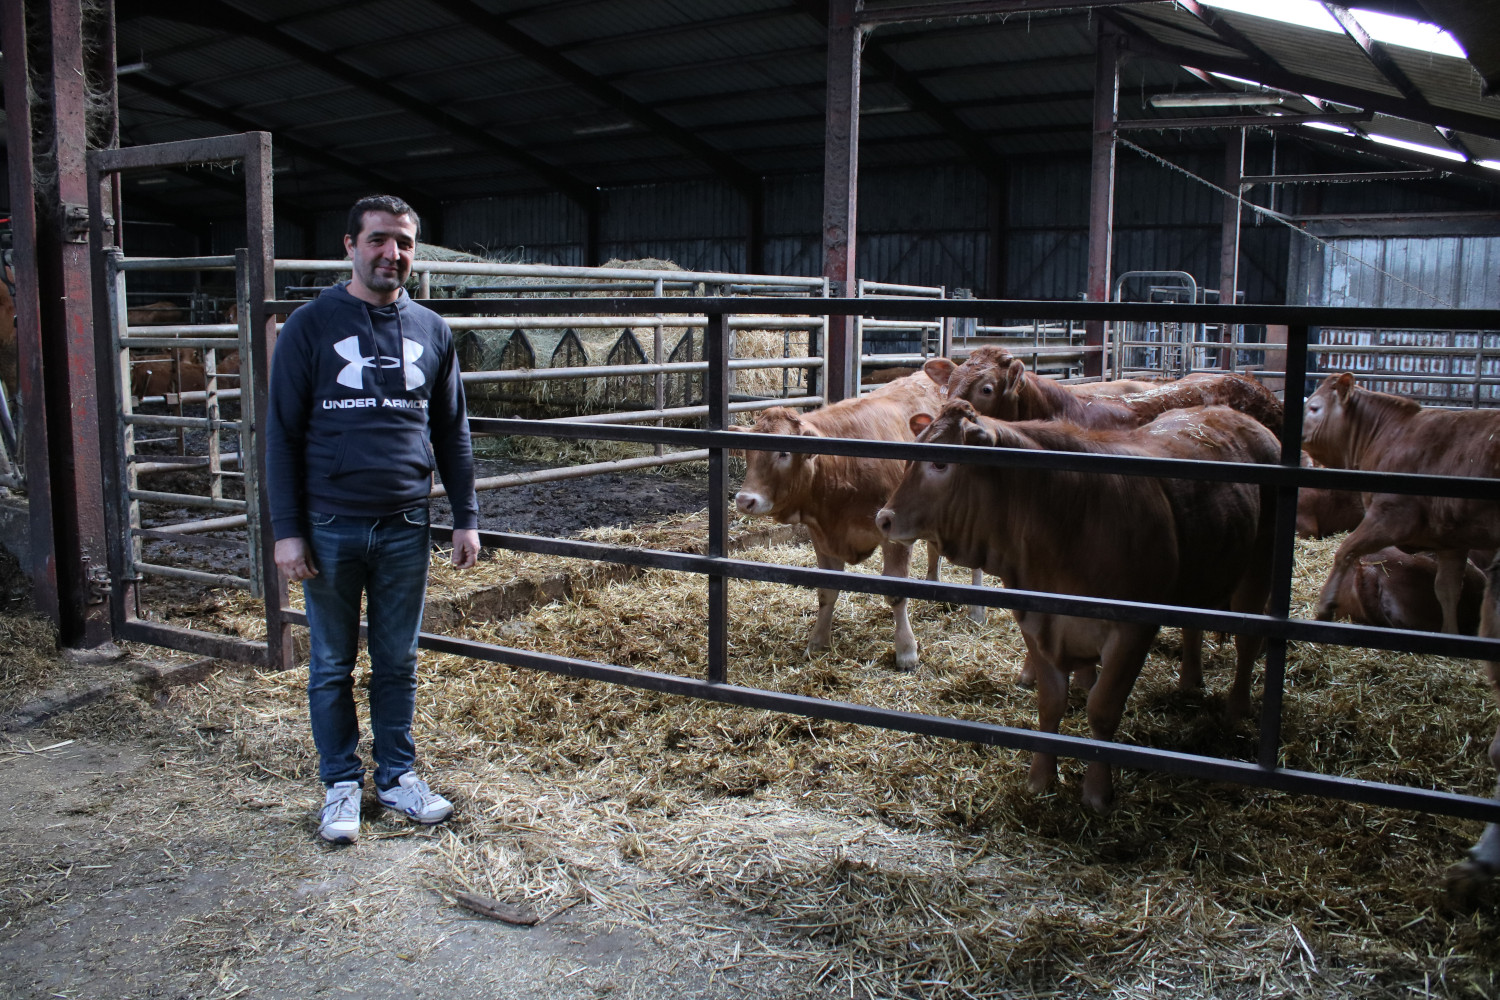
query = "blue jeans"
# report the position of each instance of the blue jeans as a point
(386, 559)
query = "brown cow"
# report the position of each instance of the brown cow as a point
(161, 313)
(837, 497)
(1203, 544)
(1353, 428)
(1394, 589)
(1321, 513)
(1347, 427)
(1000, 386)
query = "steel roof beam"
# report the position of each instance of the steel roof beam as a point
(221, 17)
(1142, 43)
(1467, 171)
(1229, 34)
(502, 30)
(975, 146)
(872, 17)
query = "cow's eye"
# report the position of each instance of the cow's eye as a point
(987, 390)
(939, 466)
(783, 455)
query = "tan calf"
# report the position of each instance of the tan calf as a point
(836, 496)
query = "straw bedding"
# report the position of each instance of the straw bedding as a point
(886, 863)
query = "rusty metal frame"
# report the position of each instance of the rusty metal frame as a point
(31, 378)
(253, 150)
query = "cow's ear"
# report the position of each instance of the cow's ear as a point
(940, 370)
(978, 435)
(1343, 385)
(1015, 373)
(920, 422)
(736, 452)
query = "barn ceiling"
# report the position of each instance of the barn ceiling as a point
(443, 100)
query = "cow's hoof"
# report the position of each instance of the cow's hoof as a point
(979, 614)
(1101, 802)
(1464, 883)
(907, 661)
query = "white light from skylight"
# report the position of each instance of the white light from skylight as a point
(1492, 164)
(1386, 28)
(1327, 127)
(1417, 147)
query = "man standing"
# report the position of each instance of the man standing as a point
(365, 401)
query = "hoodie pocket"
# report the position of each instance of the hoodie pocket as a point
(336, 467)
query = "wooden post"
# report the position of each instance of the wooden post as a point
(840, 191)
(1102, 186)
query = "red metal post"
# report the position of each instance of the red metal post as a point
(81, 539)
(261, 267)
(1229, 252)
(1102, 186)
(31, 387)
(840, 190)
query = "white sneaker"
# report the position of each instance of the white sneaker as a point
(411, 796)
(340, 820)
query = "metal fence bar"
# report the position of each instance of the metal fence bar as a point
(1264, 626)
(678, 412)
(1161, 468)
(1284, 553)
(178, 573)
(185, 500)
(605, 371)
(1207, 768)
(716, 351)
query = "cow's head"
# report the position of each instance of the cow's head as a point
(917, 508)
(991, 380)
(1325, 422)
(776, 480)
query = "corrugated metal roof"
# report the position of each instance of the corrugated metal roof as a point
(743, 76)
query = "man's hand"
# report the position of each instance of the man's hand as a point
(295, 560)
(465, 547)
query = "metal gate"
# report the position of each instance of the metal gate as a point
(197, 420)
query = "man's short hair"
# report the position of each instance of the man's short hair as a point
(379, 203)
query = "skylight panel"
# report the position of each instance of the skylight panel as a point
(1417, 147)
(1385, 28)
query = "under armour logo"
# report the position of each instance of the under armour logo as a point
(352, 374)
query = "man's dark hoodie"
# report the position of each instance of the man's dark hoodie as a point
(365, 402)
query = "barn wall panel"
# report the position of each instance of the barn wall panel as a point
(530, 227)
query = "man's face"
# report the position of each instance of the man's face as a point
(384, 250)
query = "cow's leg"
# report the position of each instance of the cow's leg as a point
(1083, 675)
(1051, 702)
(1387, 525)
(1190, 677)
(1449, 584)
(978, 612)
(897, 562)
(1470, 875)
(1120, 663)
(934, 562)
(822, 633)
